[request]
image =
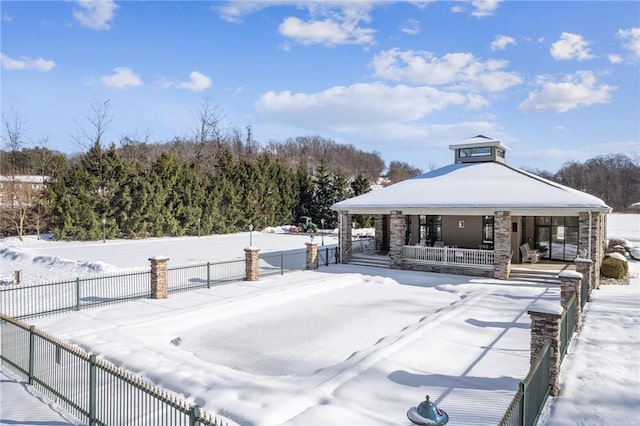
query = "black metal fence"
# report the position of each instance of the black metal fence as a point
(91, 389)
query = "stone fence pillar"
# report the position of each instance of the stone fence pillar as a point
(159, 281)
(545, 325)
(502, 245)
(585, 267)
(312, 255)
(569, 285)
(252, 258)
(345, 237)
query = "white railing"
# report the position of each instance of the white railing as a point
(448, 256)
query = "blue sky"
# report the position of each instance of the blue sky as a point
(555, 81)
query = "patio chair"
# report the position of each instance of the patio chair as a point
(528, 254)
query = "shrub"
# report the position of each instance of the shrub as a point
(614, 268)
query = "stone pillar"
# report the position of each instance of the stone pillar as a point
(312, 255)
(569, 285)
(378, 227)
(584, 267)
(159, 281)
(346, 244)
(502, 245)
(545, 325)
(597, 242)
(252, 258)
(398, 231)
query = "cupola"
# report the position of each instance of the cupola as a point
(480, 149)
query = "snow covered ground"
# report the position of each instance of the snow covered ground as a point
(344, 345)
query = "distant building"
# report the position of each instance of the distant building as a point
(20, 189)
(477, 216)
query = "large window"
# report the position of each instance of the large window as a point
(430, 229)
(484, 151)
(557, 236)
(487, 230)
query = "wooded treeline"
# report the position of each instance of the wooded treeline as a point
(173, 192)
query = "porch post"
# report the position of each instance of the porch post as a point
(378, 226)
(345, 237)
(398, 229)
(591, 225)
(502, 245)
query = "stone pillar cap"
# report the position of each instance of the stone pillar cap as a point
(582, 260)
(570, 274)
(252, 248)
(159, 257)
(546, 307)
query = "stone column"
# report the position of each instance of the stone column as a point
(545, 325)
(252, 258)
(346, 245)
(398, 231)
(597, 242)
(584, 267)
(378, 226)
(159, 281)
(502, 245)
(312, 255)
(569, 285)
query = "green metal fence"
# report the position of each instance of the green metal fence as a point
(532, 393)
(584, 290)
(567, 325)
(91, 389)
(205, 275)
(328, 255)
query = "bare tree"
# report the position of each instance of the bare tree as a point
(99, 121)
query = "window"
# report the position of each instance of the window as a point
(487, 229)
(430, 229)
(484, 151)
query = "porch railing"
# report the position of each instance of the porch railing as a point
(448, 256)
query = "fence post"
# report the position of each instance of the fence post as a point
(545, 325)
(252, 270)
(326, 256)
(92, 390)
(312, 255)
(77, 294)
(159, 277)
(208, 274)
(32, 338)
(569, 285)
(194, 416)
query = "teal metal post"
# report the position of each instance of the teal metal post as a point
(32, 349)
(208, 274)
(281, 263)
(194, 416)
(523, 386)
(92, 390)
(326, 256)
(77, 294)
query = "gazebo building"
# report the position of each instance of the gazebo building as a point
(477, 216)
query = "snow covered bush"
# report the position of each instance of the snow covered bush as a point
(614, 267)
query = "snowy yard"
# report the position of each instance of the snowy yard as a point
(344, 345)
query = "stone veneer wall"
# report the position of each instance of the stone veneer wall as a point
(252, 259)
(378, 227)
(398, 230)
(312, 255)
(597, 242)
(502, 245)
(159, 274)
(547, 326)
(584, 266)
(448, 269)
(345, 237)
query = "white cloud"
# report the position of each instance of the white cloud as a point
(631, 39)
(411, 27)
(614, 59)
(575, 90)
(571, 46)
(95, 14)
(330, 26)
(26, 64)
(484, 8)
(501, 42)
(458, 70)
(197, 82)
(6, 17)
(358, 105)
(121, 78)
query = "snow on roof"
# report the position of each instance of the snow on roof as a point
(475, 188)
(478, 141)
